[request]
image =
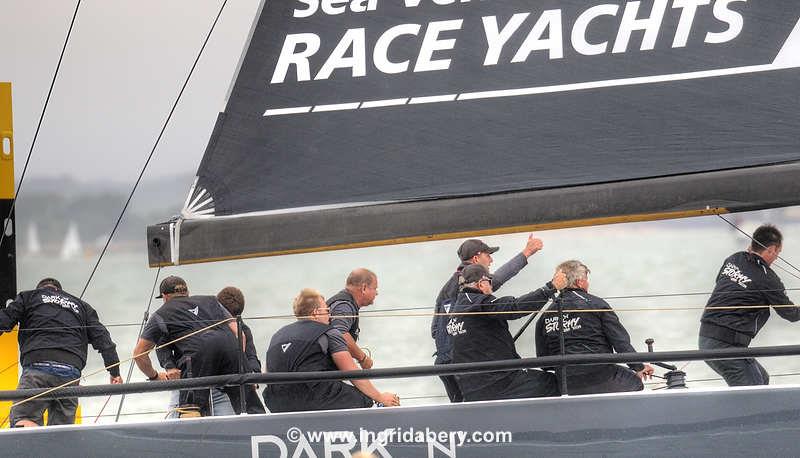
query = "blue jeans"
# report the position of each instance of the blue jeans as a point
(736, 372)
(220, 403)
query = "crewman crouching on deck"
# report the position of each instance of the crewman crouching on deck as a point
(597, 330)
(481, 334)
(311, 344)
(55, 328)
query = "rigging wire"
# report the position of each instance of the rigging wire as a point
(39, 124)
(141, 328)
(155, 145)
(762, 245)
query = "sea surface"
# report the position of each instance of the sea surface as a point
(666, 270)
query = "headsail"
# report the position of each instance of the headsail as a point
(371, 122)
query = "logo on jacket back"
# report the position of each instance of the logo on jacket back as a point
(285, 346)
(62, 301)
(735, 275)
(455, 327)
(195, 310)
(551, 323)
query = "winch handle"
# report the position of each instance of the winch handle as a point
(668, 367)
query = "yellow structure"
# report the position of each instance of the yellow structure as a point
(9, 353)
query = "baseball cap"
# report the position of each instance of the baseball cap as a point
(474, 272)
(472, 247)
(172, 284)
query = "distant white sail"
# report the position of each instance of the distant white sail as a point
(72, 243)
(34, 247)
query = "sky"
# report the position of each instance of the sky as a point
(123, 68)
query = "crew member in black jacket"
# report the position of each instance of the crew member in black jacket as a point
(232, 299)
(485, 337)
(55, 328)
(203, 352)
(472, 251)
(589, 332)
(747, 282)
(311, 344)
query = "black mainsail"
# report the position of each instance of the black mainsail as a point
(362, 122)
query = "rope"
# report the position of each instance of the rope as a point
(389, 314)
(153, 150)
(83, 377)
(39, 124)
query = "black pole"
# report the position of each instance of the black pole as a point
(240, 337)
(562, 369)
(528, 323)
(402, 372)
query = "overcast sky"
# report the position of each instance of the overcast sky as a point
(124, 65)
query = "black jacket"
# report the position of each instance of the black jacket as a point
(57, 326)
(486, 337)
(447, 297)
(744, 279)
(587, 332)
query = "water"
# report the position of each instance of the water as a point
(626, 260)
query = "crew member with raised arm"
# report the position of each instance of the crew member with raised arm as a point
(747, 282)
(311, 344)
(212, 351)
(360, 290)
(598, 330)
(472, 251)
(55, 328)
(481, 334)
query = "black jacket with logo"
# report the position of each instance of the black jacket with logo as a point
(584, 332)
(744, 280)
(486, 337)
(57, 326)
(448, 294)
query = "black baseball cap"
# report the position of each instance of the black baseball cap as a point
(171, 285)
(475, 272)
(472, 247)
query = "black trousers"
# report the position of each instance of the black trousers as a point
(608, 378)
(450, 384)
(314, 396)
(531, 383)
(217, 355)
(736, 372)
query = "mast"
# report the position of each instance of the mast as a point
(8, 264)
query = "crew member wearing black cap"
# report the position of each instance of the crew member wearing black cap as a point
(485, 337)
(472, 251)
(745, 281)
(312, 344)
(597, 330)
(53, 351)
(213, 351)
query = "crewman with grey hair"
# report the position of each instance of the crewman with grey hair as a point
(484, 336)
(597, 330)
